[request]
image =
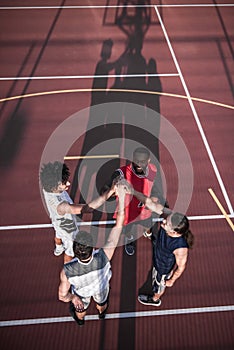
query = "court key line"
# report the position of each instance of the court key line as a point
(112, 316)
(200, 128)
(108, 222)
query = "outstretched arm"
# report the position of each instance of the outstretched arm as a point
(67, 208)
(115, 233)
(96, 203)
(115, 177)
(150, 203)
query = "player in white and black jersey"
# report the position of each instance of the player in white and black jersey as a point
(54, 179)
(89, 273)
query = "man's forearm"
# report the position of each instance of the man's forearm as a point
(67, 208)
(121, 213)
(117, 229)
(65, 297)
(176, 275)
(151, 205)
(97, 202)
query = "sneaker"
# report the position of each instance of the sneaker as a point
(59, 249)
(147, 234)
(73, 314)
(129, 246)
(148, 300)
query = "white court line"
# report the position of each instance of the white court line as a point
(187, 311)
(105, 6)
(109, 222)
(195, 115)
(89, 76)
(34, 226)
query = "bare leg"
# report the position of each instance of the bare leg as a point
(57, 241)
(101, 308)
(67, 258)
(157, 296)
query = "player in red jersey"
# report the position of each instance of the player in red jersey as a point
(142, 175)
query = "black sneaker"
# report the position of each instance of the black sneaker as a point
(72, 311)
(148, 300)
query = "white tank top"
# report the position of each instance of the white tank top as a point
(64, 224)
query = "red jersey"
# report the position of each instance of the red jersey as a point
(134, 209)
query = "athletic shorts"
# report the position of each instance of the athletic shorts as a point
(159, 281)
(67, 242)
(100, 298)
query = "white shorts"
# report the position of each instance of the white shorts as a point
(67, 241)
(100, 298)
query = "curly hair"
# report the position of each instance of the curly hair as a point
(52, 174)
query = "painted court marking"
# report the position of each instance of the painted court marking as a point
(108, 6)
(92, 157)
(200, 128)
(187, 311)
(221, 208)
(109, 222)
(52, 77)
(55, 92)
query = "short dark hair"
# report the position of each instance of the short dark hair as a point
(52, 174)
(142, 150)
(83, 245)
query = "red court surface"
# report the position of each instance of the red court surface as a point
(49, 52)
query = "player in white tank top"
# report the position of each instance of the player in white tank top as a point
(54, 180)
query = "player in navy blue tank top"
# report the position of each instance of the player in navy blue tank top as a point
(171, 243)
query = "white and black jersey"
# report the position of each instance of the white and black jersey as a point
(64, 225)
(91, 278)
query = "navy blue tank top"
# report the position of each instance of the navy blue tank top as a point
(163, 248)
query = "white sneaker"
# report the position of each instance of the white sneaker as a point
(147, 235)
(59, 249)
